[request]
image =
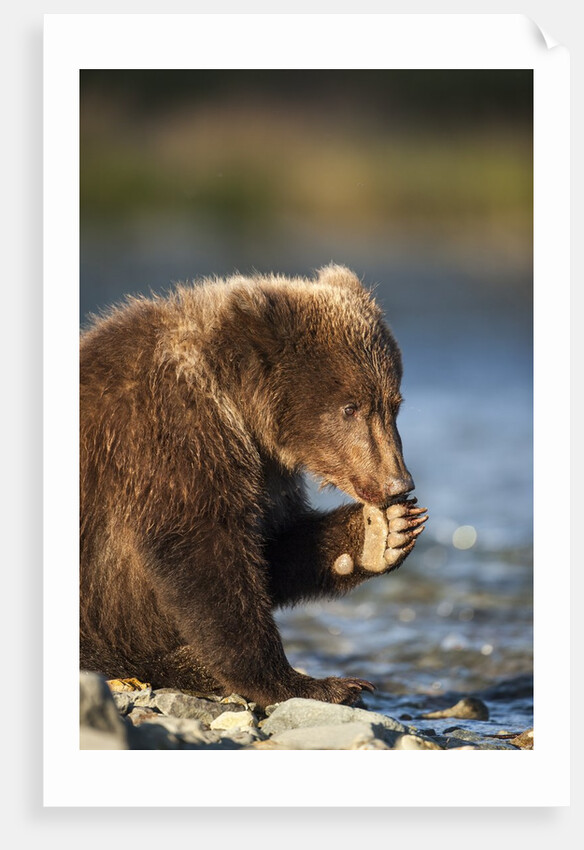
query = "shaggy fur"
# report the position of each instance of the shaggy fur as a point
(198, 413)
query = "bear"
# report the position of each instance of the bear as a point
(200, 411)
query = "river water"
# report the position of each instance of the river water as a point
(456, 619)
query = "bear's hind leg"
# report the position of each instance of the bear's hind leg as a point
(182, 670)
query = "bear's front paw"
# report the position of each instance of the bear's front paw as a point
(336, 690)
(390, 534)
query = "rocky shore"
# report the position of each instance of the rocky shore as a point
(116, 717)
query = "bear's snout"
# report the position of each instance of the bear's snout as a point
(383, 495)
(399, 486)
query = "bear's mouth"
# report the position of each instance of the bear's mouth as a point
(376, 498)
(362, 494)
(368, 495)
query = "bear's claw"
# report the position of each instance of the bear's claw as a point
(336, 690)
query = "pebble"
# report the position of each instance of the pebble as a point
(455, 737)
(468, 708)
(119, 685)
(167, 719)
(234, 699)
(415, 742)
(524, 740)
(234, 720)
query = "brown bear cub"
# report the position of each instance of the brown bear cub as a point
(199, 412)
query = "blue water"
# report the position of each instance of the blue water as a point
(451, 622)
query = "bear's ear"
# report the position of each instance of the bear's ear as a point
(341, 276)
(260, 318)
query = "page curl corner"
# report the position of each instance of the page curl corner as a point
(543, 37)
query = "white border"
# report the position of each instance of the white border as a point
(494, 778)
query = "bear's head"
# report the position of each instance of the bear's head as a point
(325, 373)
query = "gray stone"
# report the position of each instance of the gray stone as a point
(98, 713)
(449, 743)
(297, 713)
(415, 742)
(456, 738)
(177, 704)
(375, 744)
(255, 733)
(341, 736)
(140, 715)
(189, 730)
(143, 697)
(95, 739)
(123, 702)
(244, 737)
(462, 734)
(153, 736)
(157, 731)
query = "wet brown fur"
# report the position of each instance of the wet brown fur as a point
(199, 412)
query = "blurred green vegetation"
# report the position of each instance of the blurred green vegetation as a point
(429, 154)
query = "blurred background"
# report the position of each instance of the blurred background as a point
(421, 182)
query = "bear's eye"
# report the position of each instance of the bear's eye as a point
(349, 410)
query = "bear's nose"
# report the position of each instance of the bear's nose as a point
(399, 486)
